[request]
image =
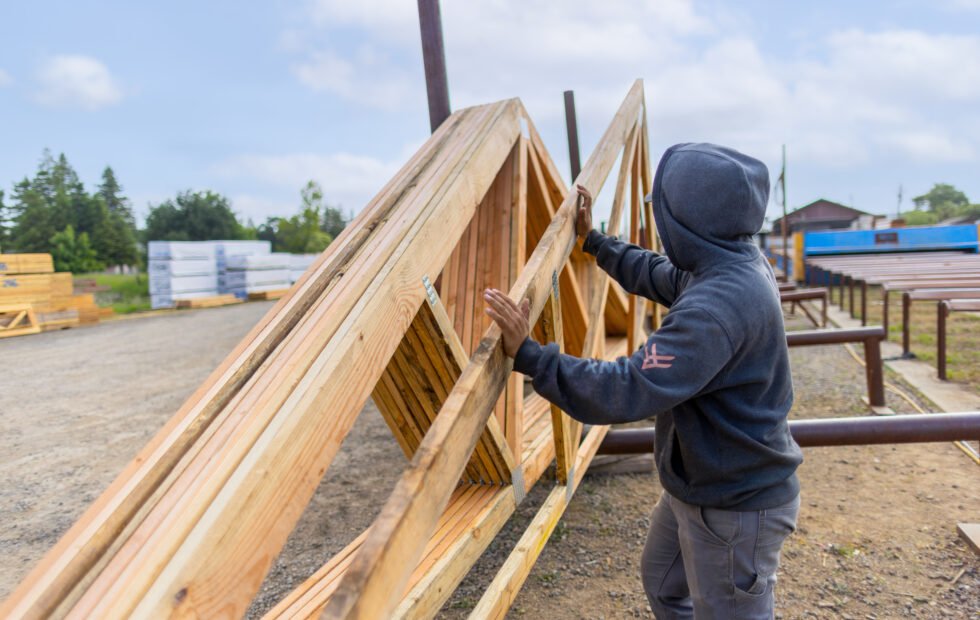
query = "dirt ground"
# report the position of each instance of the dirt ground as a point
(876, 537)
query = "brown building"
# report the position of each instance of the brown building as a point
(819, 215)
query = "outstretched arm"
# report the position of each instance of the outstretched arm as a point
(639, 271)
(675, 364)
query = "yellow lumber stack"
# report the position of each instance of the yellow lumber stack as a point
(208, 302)
(29, 280)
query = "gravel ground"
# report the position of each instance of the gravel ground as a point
(877, 530)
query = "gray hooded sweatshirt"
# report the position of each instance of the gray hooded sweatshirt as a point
(716, 374)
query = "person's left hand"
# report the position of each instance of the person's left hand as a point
(512, 319)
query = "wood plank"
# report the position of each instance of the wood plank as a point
(299, 444)
(561, 430)
(396, 540)
(970, 533)
(82, 549)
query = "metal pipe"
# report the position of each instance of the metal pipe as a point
(834, 336)
(867, 430)
(434, 60)
(571, 128)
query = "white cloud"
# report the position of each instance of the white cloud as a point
(258, 208)
(77, 81)
(5, 79)
(348, 180)
(851, 98)
(925, 145)
(368, 77)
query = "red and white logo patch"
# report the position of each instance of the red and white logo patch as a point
(652, 360)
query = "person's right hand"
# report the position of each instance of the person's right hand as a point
(583, 221)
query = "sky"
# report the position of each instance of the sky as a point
(253, 99)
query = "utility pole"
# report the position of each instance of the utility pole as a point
(571, 128)
(434, 59)
(898, 211)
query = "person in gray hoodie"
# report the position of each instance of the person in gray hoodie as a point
(715, 376)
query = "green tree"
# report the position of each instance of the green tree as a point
(73, 252)
(943, 199)
(194, 216)
(119, 231)
(4, 223)
(332, 220)
(301, 234)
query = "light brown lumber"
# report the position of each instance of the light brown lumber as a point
(434, 579)
(417, 381)
(208, 302)
(396, 540)
(483, 256)
(267, 295)
(271, 466)
(18, 320)
(635, 331)
(83, 547)
(574, 309)
(601, 283)
(503, 590)
(25, 263)
(970, 533)
(561, 430)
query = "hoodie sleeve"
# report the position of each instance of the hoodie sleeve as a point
(674, 365)
(639, 271)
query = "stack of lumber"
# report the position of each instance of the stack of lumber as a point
(209, 302)
(246, 275)
(29, 280)
(26, 263)
(225, 250)
(181, 270)
(194, 522)
(298, 265)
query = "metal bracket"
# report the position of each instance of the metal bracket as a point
(517, 481)
(570, 484)
(430, 291)
(554, 284)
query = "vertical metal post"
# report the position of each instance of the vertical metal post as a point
(571, 128)
(942, 309)
(434, 59)
(906, 318)
(876, 380)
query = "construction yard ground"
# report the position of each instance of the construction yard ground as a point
(876, 536)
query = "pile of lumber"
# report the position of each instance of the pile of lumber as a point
(192, 525)
(29, 280)
(209, 302)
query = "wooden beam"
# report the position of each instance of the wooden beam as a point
(71, 564)
(396, 539)
(235, 512)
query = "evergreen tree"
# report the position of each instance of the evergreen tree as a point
(119, 230)
(73, 252)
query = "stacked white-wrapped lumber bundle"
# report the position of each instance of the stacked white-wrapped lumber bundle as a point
(298, 264)
(246, 275)
(225, 250)
(181, 270)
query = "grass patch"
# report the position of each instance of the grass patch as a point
(962, 334)
(127, 292)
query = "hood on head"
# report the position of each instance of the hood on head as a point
(708, 201)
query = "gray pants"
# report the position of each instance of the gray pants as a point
(708, 563)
